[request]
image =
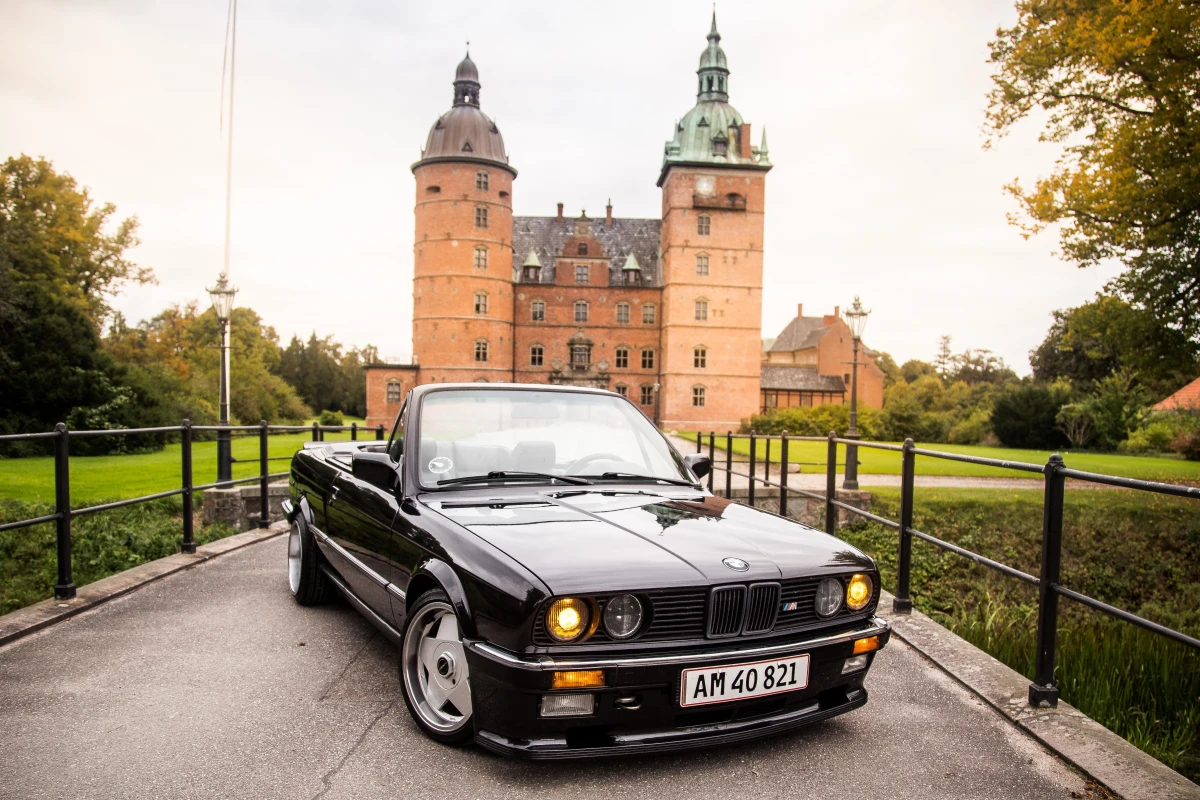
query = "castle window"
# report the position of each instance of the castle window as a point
(481, 302)
(703, 225)
(536, 354)
(631, 277)
(481, 257)
(393, 392)
(537, 311)
(481, 351)
(581, 311)
(721, 83)
(710, 83)
(622, 313)
(581, 272)
(647, 396)
(622, 357)
(433, 189)
(622, 390)
(582, 249)
(720, 147)
(701, 309)
(648, 358)
(481, 217)
(581, 355)
(700, 357)
(481, 179)
(648, 314)
(702, 264)
(698, 396)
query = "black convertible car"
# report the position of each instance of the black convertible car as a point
(560, 585)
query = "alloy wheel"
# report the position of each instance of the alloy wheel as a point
(435, 668)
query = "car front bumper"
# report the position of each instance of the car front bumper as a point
(638, 708)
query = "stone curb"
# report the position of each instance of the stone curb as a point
(26, 620)
(1079, 740)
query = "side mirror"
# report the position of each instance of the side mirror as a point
(698, 463)
(377, 469)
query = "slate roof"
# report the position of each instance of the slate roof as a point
(800, 379)
(1185, 398)
(546, 237)
(800, 334)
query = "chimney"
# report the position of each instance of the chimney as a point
(608, 213)
(744, 141)
(831, 319)
(799, 309)
(560, 219)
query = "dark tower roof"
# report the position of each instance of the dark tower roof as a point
(465, 133)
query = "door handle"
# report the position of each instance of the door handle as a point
(333, 495)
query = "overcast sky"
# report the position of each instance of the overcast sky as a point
(873, 110)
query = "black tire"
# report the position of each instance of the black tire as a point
(307, 582)
(451, 731)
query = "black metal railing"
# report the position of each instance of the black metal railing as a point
(1042, 691)
(64, 589)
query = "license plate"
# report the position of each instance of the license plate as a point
(703, 685)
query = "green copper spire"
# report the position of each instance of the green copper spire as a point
(714, 70)
(531, 260)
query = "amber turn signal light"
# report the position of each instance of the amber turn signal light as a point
(578, 679)
(866, 645)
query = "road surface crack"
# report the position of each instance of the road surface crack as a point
(333, 683)
(328, 777)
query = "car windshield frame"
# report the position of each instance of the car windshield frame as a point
(640, 426)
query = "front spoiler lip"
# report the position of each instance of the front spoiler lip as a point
(664, 741)
(875, 627)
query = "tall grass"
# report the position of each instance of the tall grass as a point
(1135, 551)
(102, 544)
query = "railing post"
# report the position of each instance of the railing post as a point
(1043, 693)
(699, 442)
(379, 433)
(753, 445)
(783, 473)
(831, 485)
(767, 464)
(189, 520)
(264, 499)
(728, 464)
(712, 452)
(354, 431)
(902, 604)
(65, 588)
(316, 433)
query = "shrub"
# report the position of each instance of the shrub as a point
(331, 418)
(975, 429)
(1187, 443)
(1154, 436)
(1025, 415)
(815, 421)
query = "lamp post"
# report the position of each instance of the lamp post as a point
(856, 320)
(222, 300)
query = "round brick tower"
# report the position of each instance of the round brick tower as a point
(462, 259)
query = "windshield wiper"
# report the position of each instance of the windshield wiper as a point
(633, 476)
(502, 475)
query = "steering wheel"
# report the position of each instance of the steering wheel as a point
(583, 462)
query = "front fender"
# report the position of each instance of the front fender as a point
(433, 572)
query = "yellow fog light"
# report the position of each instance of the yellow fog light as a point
(866, 645)
(578, 679)
(568, 619)
(858, 592)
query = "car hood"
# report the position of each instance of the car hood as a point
(589, 542)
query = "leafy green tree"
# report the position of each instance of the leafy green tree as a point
(978, 366)
(1025, 414)
(913, 369)
(1115, 84)
(324, 376)
(891, 372)
(1088, 343)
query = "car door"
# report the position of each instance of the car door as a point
(359, 516)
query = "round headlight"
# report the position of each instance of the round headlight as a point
(622, 616)
(568, 619)
(829, 597)
(858, 592)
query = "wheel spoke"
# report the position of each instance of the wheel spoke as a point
(460, 696)
(434, 693)
(428, 655)
(447, 630)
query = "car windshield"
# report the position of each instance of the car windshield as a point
(469, 433)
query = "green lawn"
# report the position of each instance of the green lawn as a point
(96, 478)
(811, 457)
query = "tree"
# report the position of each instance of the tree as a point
(978, 366)
(1088, 343)
(891, 373)
(1116, 84)
(324, 376)
(52, 233)
(1025, 414)
(944, 355)
(913, 369)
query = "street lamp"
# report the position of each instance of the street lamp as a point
(222, 301)
(856, 320)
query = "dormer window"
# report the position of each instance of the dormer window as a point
(531, 273)
(582, 249)
(720, 147)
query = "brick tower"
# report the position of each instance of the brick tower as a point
(713, 184)
(462, 259)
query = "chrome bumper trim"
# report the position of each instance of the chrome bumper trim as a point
(876, 626)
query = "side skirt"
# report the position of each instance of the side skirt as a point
(379, 622)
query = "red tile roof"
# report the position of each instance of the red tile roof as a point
(1187, 397)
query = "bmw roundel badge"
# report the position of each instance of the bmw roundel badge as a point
(735, 564)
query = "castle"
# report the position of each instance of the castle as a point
(664, 311)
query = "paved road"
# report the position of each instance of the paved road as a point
(213, 683)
